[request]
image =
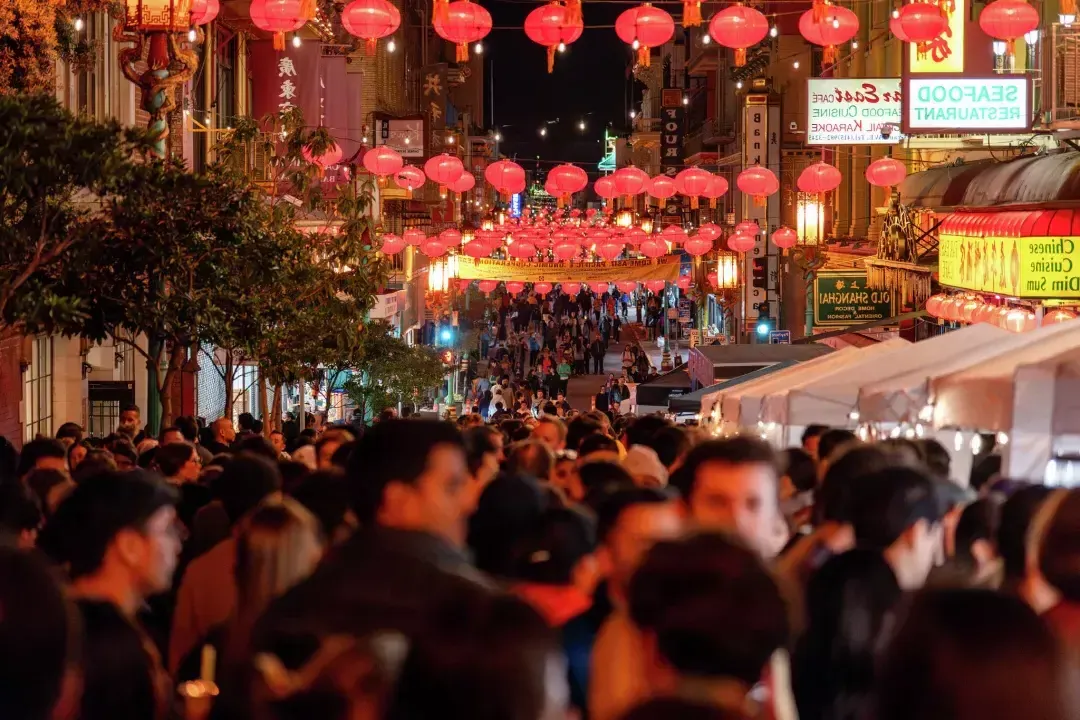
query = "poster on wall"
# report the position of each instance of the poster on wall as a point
(853, 111)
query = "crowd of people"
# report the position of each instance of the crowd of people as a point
(533, 346)
(529, 569)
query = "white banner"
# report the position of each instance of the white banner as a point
(962, 104)
(853, 111)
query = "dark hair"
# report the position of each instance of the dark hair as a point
(812, 431)
(548, 556)
(326, 494)
(188, 427)
(246, 421)
(42, 481)
(256, 445)
(800, 468)
(531, 457)
(733, 451)
(130, 407)
(600, 478)
(849, 602)
(9, 462)
(124, 447)
(172, 457)
(643, 429)
(597, 442)
(669, 443)
(481, 658)
(245, 481)
(891, 501)
(1059, 549)
(613, 505)
(393, 451)
(36, 450)
(39, 634)
(70, 430)
(966, 654)
(831, 439)
(580, 428)
(509, 509)
(835, 497)
(478, 443)
(19, 510)
(713, 607)
(978, 521)
(85, 524)
(97, 460)
(169, 429)
(937, 458)
(1012, 536)
(983, 470)
(293, 472)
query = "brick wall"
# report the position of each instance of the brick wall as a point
(10, 387)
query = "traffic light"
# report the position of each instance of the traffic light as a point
(447, 357)
(761, 273)
(764, 326)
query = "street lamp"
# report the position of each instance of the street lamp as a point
(625, 218)
(808, 219)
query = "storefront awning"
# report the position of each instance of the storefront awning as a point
(939, 187)
(1026, 182)
(1012, 223)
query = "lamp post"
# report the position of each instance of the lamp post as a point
(809, 255)
(156, 26)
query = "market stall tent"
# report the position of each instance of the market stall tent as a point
(691, 402)
(1046, 419)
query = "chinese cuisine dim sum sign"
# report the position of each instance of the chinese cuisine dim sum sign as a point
(1027, 267)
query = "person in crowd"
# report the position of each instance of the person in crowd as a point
(42, 454)
(70, 433)
(189, 429)
(49, 487)
(599, 446)
(629, 522)
(326, 496)
(171, 434)
(597, 350)
(277, 440)
(797, 488)
(179, 464)
(671, 444)
(975, 561)
(116, 535)
(223, 436)
(733, 485)
(1019, 569)
(565, 477)
(829, 442)
(96, 461)
(130, 423)
(645, 467)
(810, 438)
(551, 431)
(20, 515)
(500, 413)
(1057, 556)
(533, 458)
(76, 454)
(972, 654)
(328, 444)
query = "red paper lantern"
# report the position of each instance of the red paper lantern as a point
(713, 278)
(832, 26)
(636, 236)
(605, 187)
(443, 169)
(450, 237)
(542, 288)
(820, 177)
(643, 28)
(653, 249)
(487, 286)
(758, 182)
(553, 25)
(697, 246)
(413, 237)
(477, 249)
(886, 172)
(738, 27)
(571, 288)
(683, 282)
(1058, 316)
(716, 189)
(785, 238)
(655, 286)
(433, 247)
(693, 182)
(565, 180)
(934, 303)
(610, 250)
(1019, 320)
(392, 244)
(505, 175)
(514, 287)
(710, 231)
(462, 22)
(465, 182)
(741, 242)
(1007, 20)
(661, 187)
(370, 20)
(204, 11)
(630, 181)
(626, 286)
(565, 251)
(409, 178)
(522, 250)
(674, 234)
(748, 227)
(382, 161)
(919, 22)
(330, 156)
(463, 285)
(278, 17)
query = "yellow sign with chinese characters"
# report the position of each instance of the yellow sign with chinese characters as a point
(945, 53)
(1028, 267)
(665, 268)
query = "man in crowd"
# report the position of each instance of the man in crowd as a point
(42, 454)
(551, 431)
(131, 423)
(224, 436)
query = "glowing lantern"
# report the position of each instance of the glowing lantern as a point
(748, 227)
(565, 251)
(985, 314)
(463, 285)
(465, 182)
(683, 282)
(450, 237)
(370, 20)
(716, 189)
(1007, 20)
(409, 178)
(710, 231)
(693, 182)
(835, 26)
(392, 244)
(643, 28)
(204, 11)
(785, 238)
(514, 287)
(655, 286)
(413, 237)
(698, 246)
(609, 250)
(1058, 316)
(653, 249)
(565, 180)
(278, 17)
(443, 169)
(919, 22)
(553, 25)
(886, 172)
(758, 182)
(968, 310)
(636, 236)
(819, 178)
(505, 176)
(382, 162)
(462, 22)
(661, 187)
(713, 278)
(626, 286)
(487, 286)
(738, 27)
(571, 288)
(630, 181)
(674, 234)
(542, 288)
(329, 156)
(477, 249)
(522, 250)
(1019, 320)
(740, 242)
(605, 188)
(433, 247)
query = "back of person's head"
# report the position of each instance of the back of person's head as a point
(256, 445)
(891, 501)
(730, 451)
(966, 654)
(171, 458)
(89, 519)
(509, 509)
(832, 439)
(835, 498)
(38, 449)
(97, 461)
(245, 481)
(49, 487)
(1013, 526)
(70, 431)
(189, 427)
(550, 555)
(487, 658)
(799, 467)
(246, 421)
(713, 608)
(393, 451)
(1059, 548)
(531, 457)
(597, 443)
(978, 523)
(326, 495)
(600, 478)
(812, 431)
(39, 632)
(670, 444)
(983, 470)
(278, 544)
(580, 428)
(479, 442)
(642, 430)
(612, 505)
(293, 473)
(937, 458)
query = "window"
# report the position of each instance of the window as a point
(37, 389)
(245, 391)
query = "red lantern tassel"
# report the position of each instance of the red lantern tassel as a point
(643, 55)
(693, 202)
(1010, 47)
(691, 13)
(551, 58)
(828, 55)
(462, 53)
(279, 41)
(819, 10)
(573, 12)
(369, 45)
(661, 202)
(307, 9)
(740, 57)
(761, 200)
(438, 9)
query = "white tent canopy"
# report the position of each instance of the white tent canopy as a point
(1046, 414)
(830, 400)
(902, 397)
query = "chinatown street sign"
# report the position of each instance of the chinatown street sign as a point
(1026, 267)
(994, 104)
(842, 298)
(853, 111)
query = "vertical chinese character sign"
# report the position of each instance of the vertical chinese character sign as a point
(294, 83)
(433, 92)
(672, 123)
(755, 152)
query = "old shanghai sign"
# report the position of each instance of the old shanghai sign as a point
(842, 298)
(997, 104)
(853, 111)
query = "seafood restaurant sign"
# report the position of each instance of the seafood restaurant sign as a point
(853, 111)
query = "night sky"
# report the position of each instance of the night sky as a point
(589, 82)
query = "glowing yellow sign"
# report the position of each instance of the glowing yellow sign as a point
(1029, 267)
(945, 53)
